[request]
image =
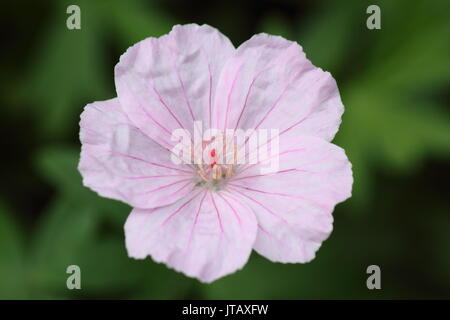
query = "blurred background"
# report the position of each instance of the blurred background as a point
(394, 84)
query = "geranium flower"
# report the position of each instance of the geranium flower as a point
(204, 220)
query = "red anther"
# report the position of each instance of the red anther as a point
(213, 153)
(213, 164)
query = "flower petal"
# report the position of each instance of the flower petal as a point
(119, 161)
(206, 236)
(269, 83)
(293, 206)
(168, 83)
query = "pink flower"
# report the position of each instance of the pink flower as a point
(204, 220)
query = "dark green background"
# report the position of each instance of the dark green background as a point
(394, 84)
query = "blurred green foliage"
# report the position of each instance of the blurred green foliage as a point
(394, 83)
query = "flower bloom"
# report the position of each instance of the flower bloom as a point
(204, 220)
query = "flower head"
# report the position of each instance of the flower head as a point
(203, 215)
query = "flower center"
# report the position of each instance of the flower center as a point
(214, 174)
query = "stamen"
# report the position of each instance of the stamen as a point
(229, 171)
(214, 172)
(202, 173)
(217, 172)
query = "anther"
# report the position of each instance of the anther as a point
(229, 171)
(217, 172)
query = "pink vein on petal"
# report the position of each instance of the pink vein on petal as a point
(217, 211)
(195, 220)
(166, 186)
(271, 174)
(276, 155)
(229, 95)
(260, 204)
(232, 209)
(168, 108)
(247, 95)
(281, 195)
(148, 162)
(273, 107)
(147, 114)
(179, 209)
(181, 83)
(157, 176)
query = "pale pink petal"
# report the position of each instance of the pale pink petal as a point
(119, 161)
(269, 83)
(206, 235)
(294, 205)
(168, 83)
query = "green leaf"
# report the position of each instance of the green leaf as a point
(59, 166)
(13, 275)
(68, 70)
(390, 122)
(331, 275)
(328, 34)
(72, 231)
(276, 24)
(134, 21)
(66, 230)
